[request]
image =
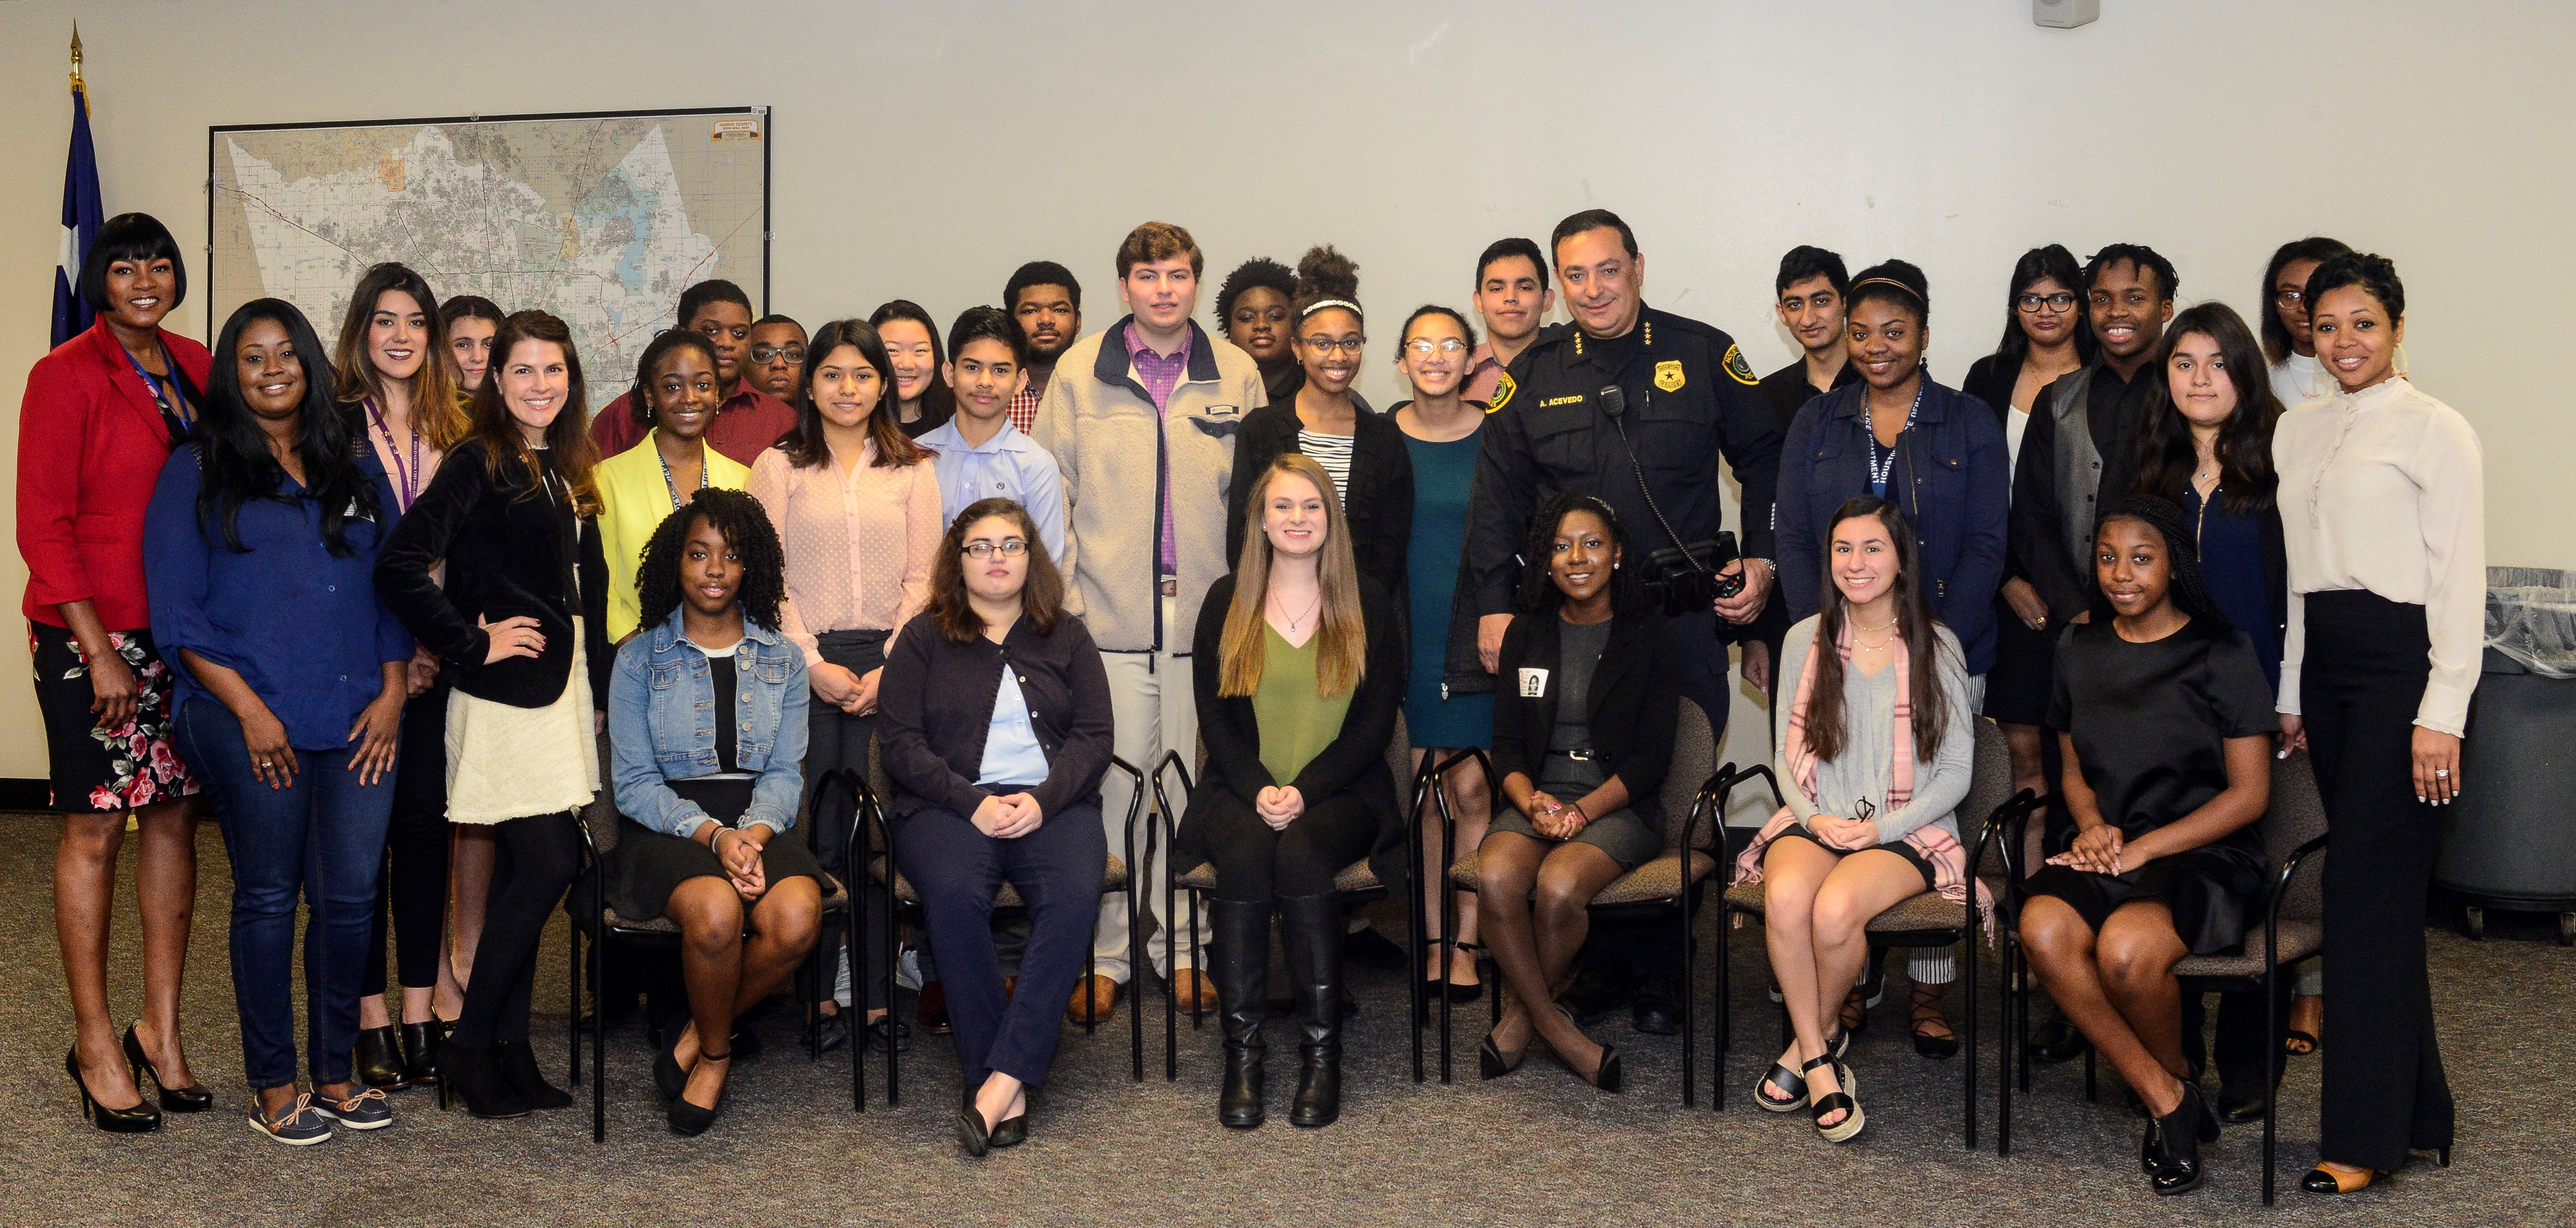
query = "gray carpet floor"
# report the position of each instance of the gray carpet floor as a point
(1535, 1147)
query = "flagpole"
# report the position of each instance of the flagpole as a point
(76, 58)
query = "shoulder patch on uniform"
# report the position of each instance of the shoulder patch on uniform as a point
(1668, 375)
(1741, 370)
(1503, 390)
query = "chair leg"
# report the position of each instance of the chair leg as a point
(848, 952)
(1968, 1068)
(1090, 968)
(1690, 995)
(894, 1089)
(1140, 968)
(1721, 1029)
(1135, 1007)
(598, 1037)
(1198, 1001)
(2271, 1067)
(1413, 944)
(572, 996)
(2016, 1034)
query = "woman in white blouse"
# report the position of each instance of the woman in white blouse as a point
(2383, 508)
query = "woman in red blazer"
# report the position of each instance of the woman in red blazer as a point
(101, 415)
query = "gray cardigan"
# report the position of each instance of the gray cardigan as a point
(1865, 768)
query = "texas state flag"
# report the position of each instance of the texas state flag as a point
(81, 218)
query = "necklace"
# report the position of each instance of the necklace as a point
(1879, 469)
(671, 485)
(1296, 621)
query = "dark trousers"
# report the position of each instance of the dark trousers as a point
(534, 861)
(838, 740)
(1256, 864)
(413, 883)
(957, 870)
(2365, 669)
(322, 837)
(2241, 1046)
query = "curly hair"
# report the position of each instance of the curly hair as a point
(1258, 273)
(744, 525)
(1537, 592)
(1325, 275)
(2185, 587)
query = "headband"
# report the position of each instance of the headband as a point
(1910, 291)
(1344, 304)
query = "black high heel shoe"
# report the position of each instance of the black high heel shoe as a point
(2323, 1181)
(1607, 1073)
(378, 1059)
(1490, 1062)
(191, 1099)
(420, 1043)
(2177, 1138)
(143, 1118)
(518, 1065)
(690, 1121)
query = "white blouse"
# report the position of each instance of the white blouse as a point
(2384, 490)
(2301, 379)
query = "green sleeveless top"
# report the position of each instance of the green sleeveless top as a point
(1296, 724)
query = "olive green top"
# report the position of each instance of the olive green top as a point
(1295, 724)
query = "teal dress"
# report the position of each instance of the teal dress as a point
(1442, 473)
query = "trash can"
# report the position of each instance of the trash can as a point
(2512, 843)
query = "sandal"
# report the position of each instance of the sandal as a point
(1788, 1083)
(1436, 983)
(2295, 1043)
(1853, 1119)
(1927, 1011)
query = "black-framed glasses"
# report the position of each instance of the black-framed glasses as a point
(1347, 345)
(2057, 304)
(1008, 547)
(1425, 347)
(764, 353)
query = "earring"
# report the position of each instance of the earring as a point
(1614, 567)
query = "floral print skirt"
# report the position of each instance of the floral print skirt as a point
(102, 771)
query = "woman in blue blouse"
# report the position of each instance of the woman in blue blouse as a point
(706, 721)
(259, 551)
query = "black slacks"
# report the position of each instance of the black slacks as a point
(413, 883)
(2363, 675)
(1256, 864)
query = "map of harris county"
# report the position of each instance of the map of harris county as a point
(601, 221)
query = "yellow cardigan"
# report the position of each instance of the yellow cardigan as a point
(634, 500)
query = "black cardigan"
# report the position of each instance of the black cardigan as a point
(507, 556)
(1355, 762)
(1633, 705)
(938, 708)
(1378, 506)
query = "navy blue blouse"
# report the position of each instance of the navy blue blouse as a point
(300, 624)
(2231, 564)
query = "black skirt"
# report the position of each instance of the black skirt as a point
(104, 771)
(647, 865)
(2017, 687)
(2207, 889)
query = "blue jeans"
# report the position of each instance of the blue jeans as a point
(324, 836)
(958, 869)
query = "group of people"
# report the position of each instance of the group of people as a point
(402, 609)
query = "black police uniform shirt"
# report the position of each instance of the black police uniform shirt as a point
(1691, 399)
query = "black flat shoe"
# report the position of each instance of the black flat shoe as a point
(1927, 1010)
(476, 1079)
(1607, 1076)
(2056, 1042)
(143, 1118)
(2320, 1181)
(2178, 1136)
(972, 1138)
(668, 1078)
(1490, 1062)
(378, 1058)
(518, 1065)
(190, 1099)
(420, 1043)
(688, 1120)
(1012, 1132)
(2237, 1110)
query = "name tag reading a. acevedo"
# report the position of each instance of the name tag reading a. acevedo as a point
(1533, 683)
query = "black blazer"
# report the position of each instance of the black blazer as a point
(1378, 506)
(938, 706)
(507, 556)
(1355, 762)
(1634, 704)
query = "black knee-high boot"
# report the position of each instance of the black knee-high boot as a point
(1311, 927)
(1240, 940)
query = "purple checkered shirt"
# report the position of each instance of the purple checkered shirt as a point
(1161, 374)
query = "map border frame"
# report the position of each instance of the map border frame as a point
(768, 168)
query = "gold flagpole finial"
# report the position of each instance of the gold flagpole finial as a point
(76, 56)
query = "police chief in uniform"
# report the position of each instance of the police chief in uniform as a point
(1687, 397)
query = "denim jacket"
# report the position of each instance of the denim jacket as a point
(661, 726)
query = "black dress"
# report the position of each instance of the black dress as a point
(647, 865)
(2017, 688)
(2150, 724)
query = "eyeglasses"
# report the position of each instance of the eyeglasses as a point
(765, 353)
(2289, 298)
(2057, 304)
(1009, 548)
(1347, 345)
(1425, 347)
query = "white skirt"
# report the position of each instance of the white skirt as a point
(506, 762)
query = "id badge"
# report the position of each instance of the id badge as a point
(1533, 683)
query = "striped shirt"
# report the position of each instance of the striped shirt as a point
(1333, 452)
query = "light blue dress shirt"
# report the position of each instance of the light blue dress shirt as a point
(1011, 752)
(1010, 465)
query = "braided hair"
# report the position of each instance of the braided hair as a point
(2187, 590)
(739, 519)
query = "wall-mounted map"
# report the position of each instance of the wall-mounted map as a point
(601, 219)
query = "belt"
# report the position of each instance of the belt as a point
(1582, 754)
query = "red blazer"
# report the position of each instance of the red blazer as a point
(91, 444)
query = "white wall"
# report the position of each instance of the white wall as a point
(925, 150)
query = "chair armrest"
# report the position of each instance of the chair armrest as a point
(1135, 809)
(2281, 891)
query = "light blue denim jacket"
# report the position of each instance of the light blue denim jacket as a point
(661, 726)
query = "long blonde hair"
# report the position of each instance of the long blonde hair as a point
(1341, 659)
